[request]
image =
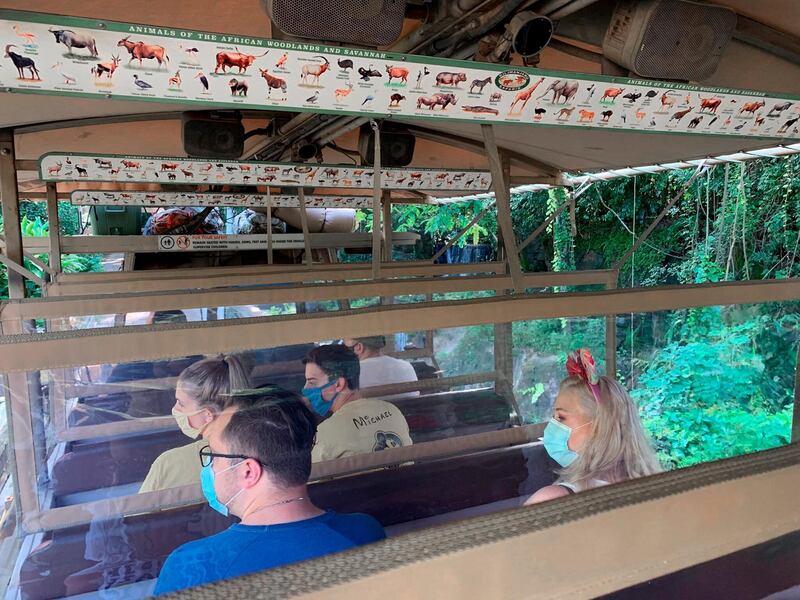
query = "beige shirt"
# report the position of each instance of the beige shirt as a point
(174, 468)
(361, 426)
(387, 370)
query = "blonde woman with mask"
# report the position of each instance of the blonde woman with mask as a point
(595, 433)
(200, 395)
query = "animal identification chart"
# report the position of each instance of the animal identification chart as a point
(106, 198)
(149, 169)
(87, 58)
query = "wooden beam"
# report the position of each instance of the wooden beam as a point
(503, 200)
(461, 233)
(269, 233)
(10, 209)
(642, 238)
(54, 227)
(796, 415)
(123, 344)
(376, 202)
(60, 307)
(18, 270)
(388, 243)
(301, 195)
(536, 232)
(27, 165)
(611, 331)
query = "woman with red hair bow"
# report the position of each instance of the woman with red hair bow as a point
(595, 433)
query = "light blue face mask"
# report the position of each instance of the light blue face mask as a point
(207, 481)
(321, 406)
(556, 442)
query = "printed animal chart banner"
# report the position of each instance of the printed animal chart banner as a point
(149, 169)
(79, 57)
(106, 198)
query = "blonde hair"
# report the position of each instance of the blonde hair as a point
(618, 447)
(212, 381)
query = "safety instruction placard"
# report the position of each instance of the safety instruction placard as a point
(196, 243)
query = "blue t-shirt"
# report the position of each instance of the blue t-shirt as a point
(243, 549)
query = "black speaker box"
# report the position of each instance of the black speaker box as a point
(213, 135)
(397, 145)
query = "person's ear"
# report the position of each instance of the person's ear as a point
(358, 348)
(251, 473)
(341, 384)
(207, 415)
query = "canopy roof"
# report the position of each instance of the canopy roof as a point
(69, 126)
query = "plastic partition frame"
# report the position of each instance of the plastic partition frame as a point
(59, 307)
(681, 518)
(224, 277)
(61, 350)
(126, 344)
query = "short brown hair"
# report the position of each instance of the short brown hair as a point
(373, 342)
(274, 426)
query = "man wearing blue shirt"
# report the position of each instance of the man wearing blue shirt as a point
(256, 467)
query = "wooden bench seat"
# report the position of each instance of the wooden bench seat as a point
(96, 465)
(126, 550)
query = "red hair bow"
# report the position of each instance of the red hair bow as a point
(580, 362)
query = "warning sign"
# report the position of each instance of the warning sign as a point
(198, 243)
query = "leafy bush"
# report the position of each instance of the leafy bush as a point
(710, 396)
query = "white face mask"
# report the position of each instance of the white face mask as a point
(183, 422)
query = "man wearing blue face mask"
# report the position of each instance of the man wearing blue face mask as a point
(255, 467)
(352, 425)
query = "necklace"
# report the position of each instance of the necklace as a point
(289, 501)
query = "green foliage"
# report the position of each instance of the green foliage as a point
(708, 394)
(33, 224)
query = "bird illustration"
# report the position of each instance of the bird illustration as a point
(738, 127)
(651, 94)
(712, 121)
(68, 79)
(624, 117)
(30, 38)
(203, 79)
(313, 98)
(141, 83)
(652, 122)
(368, 99)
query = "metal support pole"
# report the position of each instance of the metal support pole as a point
(10, 207)
(387, 226)
(376, 203)
(503, 200)
(461, 233)
(304, 224)
(54, 227)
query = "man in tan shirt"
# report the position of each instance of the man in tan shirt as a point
(356, 425)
